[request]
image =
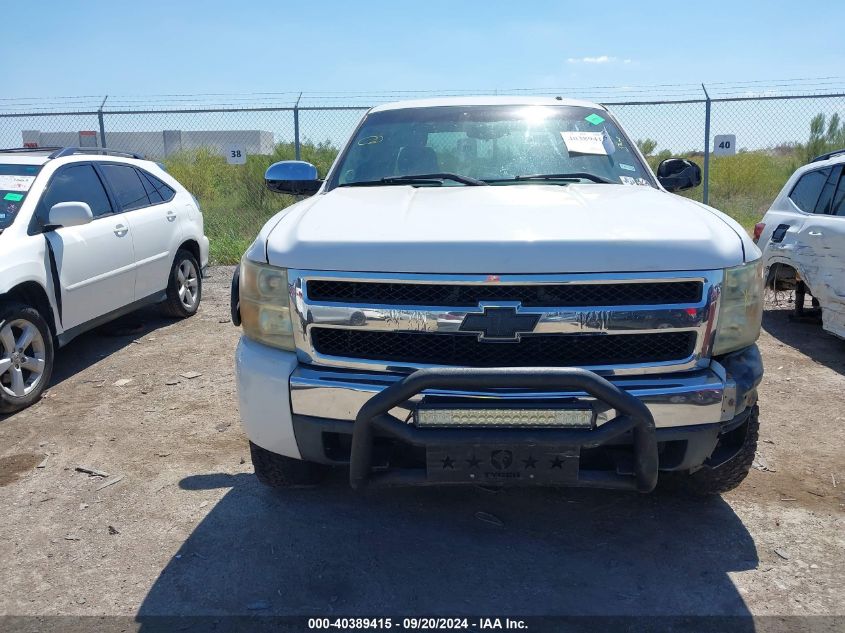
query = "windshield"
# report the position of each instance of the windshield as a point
(15, 181)
(497, 144)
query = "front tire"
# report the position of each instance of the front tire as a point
(278, 471)
(716, 480)
(184, 290)
(26, 356)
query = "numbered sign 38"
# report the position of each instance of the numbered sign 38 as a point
(724, 145)
(236, 155)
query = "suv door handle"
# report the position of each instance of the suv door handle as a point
(171, 215)
(120, 230)
(814, 233)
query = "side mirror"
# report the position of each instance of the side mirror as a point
(69, 214)
(294, 177)
(677, 174)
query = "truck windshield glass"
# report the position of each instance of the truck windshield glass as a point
(15, 181)
(500, 145)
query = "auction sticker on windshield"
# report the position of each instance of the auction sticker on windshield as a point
(16, 183)
(585, 142)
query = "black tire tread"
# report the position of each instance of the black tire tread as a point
(713, 481)
(278, 471)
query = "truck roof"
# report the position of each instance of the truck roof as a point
(483, 101)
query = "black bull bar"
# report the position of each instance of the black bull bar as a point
(632, 415)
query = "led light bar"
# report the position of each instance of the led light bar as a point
(566, 418)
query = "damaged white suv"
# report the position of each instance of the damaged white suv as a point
(499, 291)
(803, 239)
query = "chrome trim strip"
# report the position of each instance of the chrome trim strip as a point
(674, 400)
(506, 280)
(699, 317)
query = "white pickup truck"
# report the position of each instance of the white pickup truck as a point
(498, 291)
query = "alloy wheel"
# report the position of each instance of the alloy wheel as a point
(22, 357)
(187, 277)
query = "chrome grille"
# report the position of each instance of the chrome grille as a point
(619, 323)
(465, 350)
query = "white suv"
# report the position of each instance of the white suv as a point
(86, 235)
(802, 237)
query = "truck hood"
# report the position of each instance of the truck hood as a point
(529, 228)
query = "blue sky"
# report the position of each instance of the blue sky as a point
(147, 47)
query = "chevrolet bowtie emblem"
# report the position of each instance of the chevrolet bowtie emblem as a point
(499, 324)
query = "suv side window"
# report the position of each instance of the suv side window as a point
(76, 183)
(805, 194)
(156, 189)
(838, 206)
(826, 197)
(127, 186)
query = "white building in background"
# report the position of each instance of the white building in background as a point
(157, 144)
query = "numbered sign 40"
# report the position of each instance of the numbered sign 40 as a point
(724, 145)
(236, 155)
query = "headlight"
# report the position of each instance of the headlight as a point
(741, 310)
(265, 304)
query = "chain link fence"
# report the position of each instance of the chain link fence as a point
(774, 134)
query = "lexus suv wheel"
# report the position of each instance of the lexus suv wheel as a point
(184, 291)
(26, 356)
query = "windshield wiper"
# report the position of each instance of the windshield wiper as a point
(434, 178)
(575, 175)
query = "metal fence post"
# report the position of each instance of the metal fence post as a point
(706, 195)
(102, 123)
(297, 146)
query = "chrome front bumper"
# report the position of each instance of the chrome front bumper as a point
(703, 396)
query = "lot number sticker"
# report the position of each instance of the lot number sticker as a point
(236, 155)
(588, 143)
(724, 145)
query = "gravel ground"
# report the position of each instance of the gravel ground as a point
(184, 528)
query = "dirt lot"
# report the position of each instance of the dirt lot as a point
(188, 530)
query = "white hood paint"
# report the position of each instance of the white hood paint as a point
(530, 228)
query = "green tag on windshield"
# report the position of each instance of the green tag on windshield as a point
(594, 118)
(13, 197)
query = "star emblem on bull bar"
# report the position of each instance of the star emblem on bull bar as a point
(499, 323)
